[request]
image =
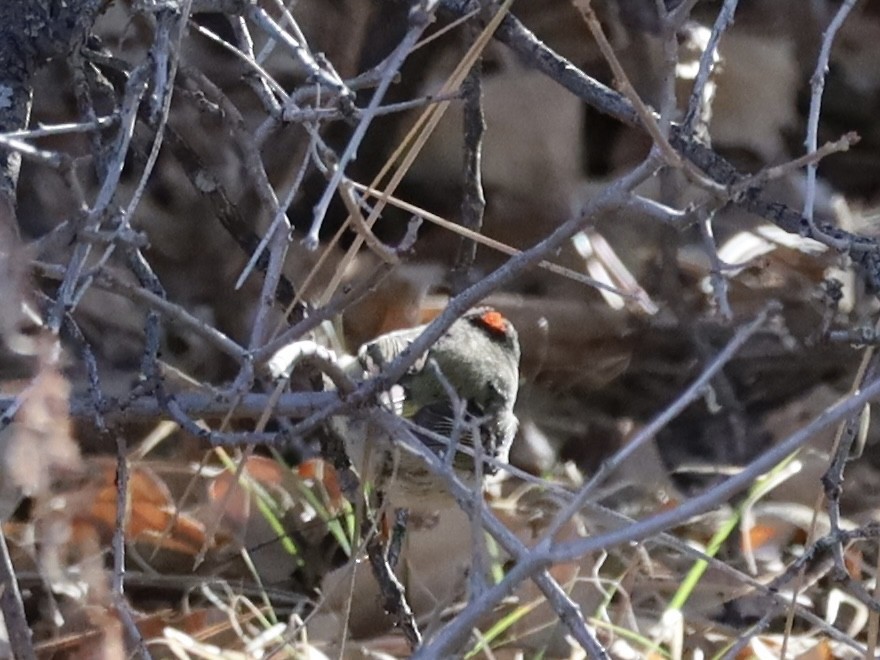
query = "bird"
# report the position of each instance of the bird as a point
(457, 399)
(458, 396)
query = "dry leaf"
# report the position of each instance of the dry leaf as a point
(41, 447)
(152, 518)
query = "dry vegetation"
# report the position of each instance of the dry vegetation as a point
(671, 200)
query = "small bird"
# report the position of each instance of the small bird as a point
(459, 397)
(462, 390)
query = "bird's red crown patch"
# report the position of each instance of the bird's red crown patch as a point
(494, 321)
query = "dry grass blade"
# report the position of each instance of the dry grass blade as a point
(489, 242)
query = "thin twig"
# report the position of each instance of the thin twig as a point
(384, 252)
(779, 171)
(122, 507)
(419, 23)
(123, 610)
(48, 130)
(135, 89)
(696, 107)
(193, 404)
(661, 212)
(716, 276)
(279, 221)
(135, 638)
(12, 607)
(300, 51)
(473, 203)
(817, 87)
(54, 159)
(646, 115)
(394, 600)
(172, 311)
